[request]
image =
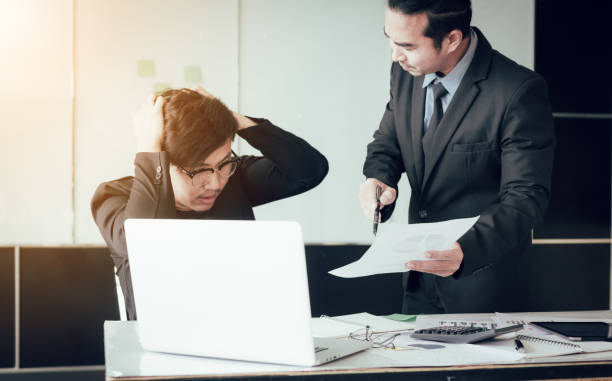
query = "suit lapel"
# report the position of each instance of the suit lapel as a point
(460, 105)
(416, 125)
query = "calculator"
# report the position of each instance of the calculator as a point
(462, 334)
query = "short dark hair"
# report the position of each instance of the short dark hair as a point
(194, 126)
(443, 16)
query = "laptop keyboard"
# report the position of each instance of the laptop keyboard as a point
(319, 349)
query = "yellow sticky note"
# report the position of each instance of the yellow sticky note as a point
(193, 74)
(146, 68)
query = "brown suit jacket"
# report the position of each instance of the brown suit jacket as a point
(289, 166)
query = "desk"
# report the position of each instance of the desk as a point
(126, 360)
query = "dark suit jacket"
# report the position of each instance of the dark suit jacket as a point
(289, 166)
(492, 157)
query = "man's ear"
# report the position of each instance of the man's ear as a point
(454, 38)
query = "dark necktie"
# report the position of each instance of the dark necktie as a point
(438, 92)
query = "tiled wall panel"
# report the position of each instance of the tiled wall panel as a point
(66, 294)
(574, 55)
(580, 198)
(330, 295)
(568, 277)
(7, 307)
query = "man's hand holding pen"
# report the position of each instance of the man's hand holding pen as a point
(441, 262)
(367, 196)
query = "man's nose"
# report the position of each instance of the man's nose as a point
(396, 54)
(214, 181)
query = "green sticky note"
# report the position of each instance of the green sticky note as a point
(146, 68)
(193, 74)
(401, 317)
(160, 87)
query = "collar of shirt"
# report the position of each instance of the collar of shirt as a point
(453, 79)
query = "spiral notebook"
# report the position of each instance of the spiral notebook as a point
(537, 346)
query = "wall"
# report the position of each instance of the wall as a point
(75, 71)
(319, 69)
(36, 122)
(329, 83)
(125, 50)
(54, 303)
(577, 224)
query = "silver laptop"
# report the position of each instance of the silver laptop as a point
(226, 289)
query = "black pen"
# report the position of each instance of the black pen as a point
(518, 345)
(377, 211)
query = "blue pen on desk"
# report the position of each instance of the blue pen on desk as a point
(377, 210)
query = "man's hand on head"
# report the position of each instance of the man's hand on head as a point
(149, 124)
(367, 196)
(443, 262)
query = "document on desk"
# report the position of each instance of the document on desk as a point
(414, 352)
(396, 244)
(542, 346)
(505, 319)
(342, 326)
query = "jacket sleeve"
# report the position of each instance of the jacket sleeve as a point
(383, 158)
(527, 147)
(289, 164)
(150, 196)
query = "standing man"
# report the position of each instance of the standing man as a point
(473, 131)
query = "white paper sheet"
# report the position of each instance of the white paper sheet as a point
(505, 319)
(414, 352)
(342, 326)
(397, 244)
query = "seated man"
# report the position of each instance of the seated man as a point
(185, 168)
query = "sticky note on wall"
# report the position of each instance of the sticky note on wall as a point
(193, 74)
(146, 68)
